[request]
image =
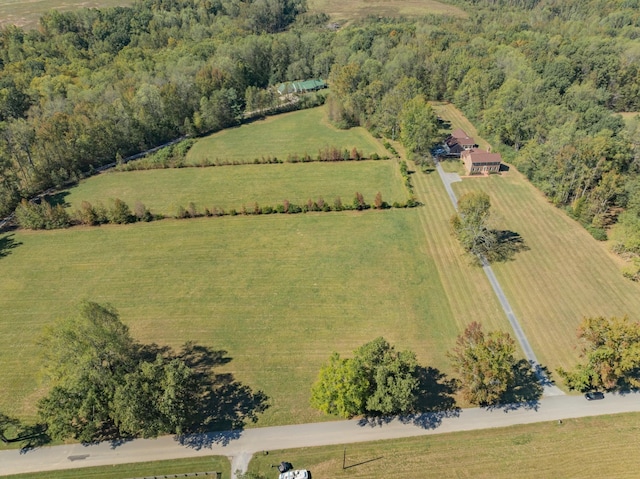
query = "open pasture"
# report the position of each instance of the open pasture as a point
(162, 191)
(278, 293)
(296, 133)
(564, 276)
(592, 447)
(341, 11)
(26, 14)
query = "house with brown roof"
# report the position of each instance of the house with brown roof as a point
(457, 142)
(480, 162)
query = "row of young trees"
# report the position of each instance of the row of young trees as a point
(43, 216)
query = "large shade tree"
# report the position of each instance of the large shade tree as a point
(610, 348)
(377, 380)
(485, 364)
(103, 383)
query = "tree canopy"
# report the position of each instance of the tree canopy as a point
(378, 380)
(485, 364)
(105, 385)
(471, 224)
(610, 348)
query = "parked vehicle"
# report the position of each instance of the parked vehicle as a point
(594, 395)
(297, 474)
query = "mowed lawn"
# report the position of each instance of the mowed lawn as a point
(141, 469)
(564, 276)
(279, 293)
(162, 191)
(295, 133)
(26, 14)
(592, 447)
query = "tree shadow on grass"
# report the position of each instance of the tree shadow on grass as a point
(526, 391)
(508, 243)
(7, 243)
(58, 198)
(223, 405)
(435, 402)
(31, 436)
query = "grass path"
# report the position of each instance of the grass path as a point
(449, 112)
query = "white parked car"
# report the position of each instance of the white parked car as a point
(299, 474)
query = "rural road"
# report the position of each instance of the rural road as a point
(240, 445)
(549, 389)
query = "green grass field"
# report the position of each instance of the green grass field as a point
(26, 14)
(162, 191)
(140, 469)
(299, 132)
(594, 447)
(564, 276)
(279, 293)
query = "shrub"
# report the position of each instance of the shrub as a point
(37, 216)
(119, 212)
(141, 212)
(87, 214)
(337, 204)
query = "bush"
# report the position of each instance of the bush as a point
(598, 233)
(119, 212)
(38, 216)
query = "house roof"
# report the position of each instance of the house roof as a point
(461, 136)
(481, 156)
(301, 86)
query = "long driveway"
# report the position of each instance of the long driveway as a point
(549, 389)
(240, 445)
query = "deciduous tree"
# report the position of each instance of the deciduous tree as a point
(611, 351)
(485, 364)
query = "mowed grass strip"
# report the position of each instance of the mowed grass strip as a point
(162, 191)
(27, 14)
(140, 469)
(593, 447)
(279, 293)
(358, 9)
(296, 133)
(469, 293)
(564, 276)
(448, 112)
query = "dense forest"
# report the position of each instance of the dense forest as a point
(542, 79)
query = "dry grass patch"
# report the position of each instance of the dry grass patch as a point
(353, 10)
(27, 13)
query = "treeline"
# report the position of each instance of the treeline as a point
(174, 156)
(42, 215)
(91, 86)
